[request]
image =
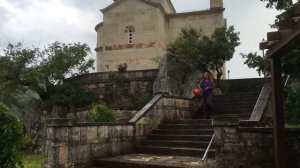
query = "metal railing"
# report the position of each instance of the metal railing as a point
(286, 81)
(204, 158)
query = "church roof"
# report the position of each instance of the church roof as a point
(150, 2)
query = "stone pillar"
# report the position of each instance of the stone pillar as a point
(57, 151)
(227, 143)
(216, 4)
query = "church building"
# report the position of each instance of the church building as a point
(137, 32)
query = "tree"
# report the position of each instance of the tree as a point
(260, 63)
(221, 47)
(42, 70)
(11, 138)
(290, 63)
(279, 4)
(194, 51)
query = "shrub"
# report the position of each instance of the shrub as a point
(11, 138)
(143, 99)
(101, 113)
(292, 105)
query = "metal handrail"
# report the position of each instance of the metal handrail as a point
(204, 158)
(286, 81)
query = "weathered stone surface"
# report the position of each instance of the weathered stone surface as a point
(252, 147)
(63, 153)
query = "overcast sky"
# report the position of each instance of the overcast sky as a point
(40, 22)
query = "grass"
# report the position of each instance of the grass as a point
(33, 161)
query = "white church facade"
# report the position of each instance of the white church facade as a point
(137, 32)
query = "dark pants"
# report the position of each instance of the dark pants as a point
(205, 105)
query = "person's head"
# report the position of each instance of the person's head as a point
(206, 76)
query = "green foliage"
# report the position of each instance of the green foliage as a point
(290, 63)
(42, 70)
(33, 161)
(221, 47)
(292, 105)
(102, 113)
(143, 99)
(262, 64)
(71, 95)
(278, 4)
(11, 139)
(194, 51)
(285, 5)
(114, 84)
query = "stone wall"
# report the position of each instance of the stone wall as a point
(242, 147)
(158, 110)
(142, 80)
(77, 144)
(74, 145)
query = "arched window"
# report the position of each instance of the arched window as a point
(130, 30)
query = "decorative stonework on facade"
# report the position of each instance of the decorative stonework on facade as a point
(137, 32)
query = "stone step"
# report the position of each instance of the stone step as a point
(237, 103)
(150, 161)
(185, 144)
(185, 126)
(233, 110)
(234, 99)
(174, 151)
(184, 131)
(190, 121)
(179, 137)
(240, 116)
(233, 107)
(249, 92)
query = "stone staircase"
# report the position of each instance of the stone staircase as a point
(183, 138)
(182, 143)
(240, 99)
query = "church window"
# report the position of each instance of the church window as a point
(130, 30)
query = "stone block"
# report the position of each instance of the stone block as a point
(100, 150)
(92, 134)
(83, 134)
(130, 131)
(50, 134)
(116, 148)
(61, 134)
(140, 130)
(102, 132)
(127, 147)
(79, 153)
(114, 131)
(63, 155)
(74, 134)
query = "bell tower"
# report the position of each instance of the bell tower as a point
(216, 4)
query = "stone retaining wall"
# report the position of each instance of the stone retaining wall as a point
(77, 144)
(159, 110)
(238, 147)
(74, 145)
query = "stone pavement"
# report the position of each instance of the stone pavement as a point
(163, 160)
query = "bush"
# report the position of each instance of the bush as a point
(143, 99)
(101, 113)
(292, 105)
(11, 138)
